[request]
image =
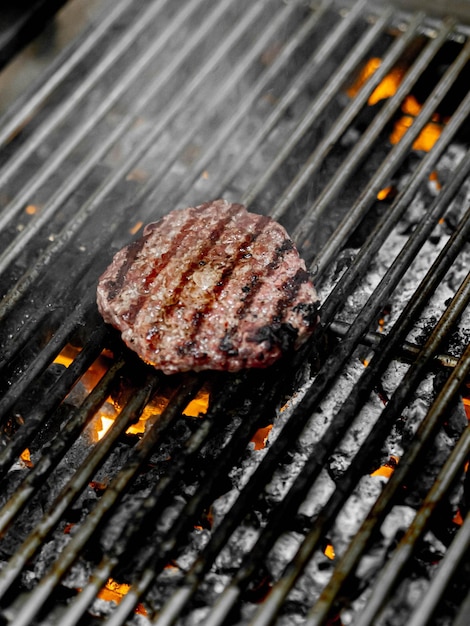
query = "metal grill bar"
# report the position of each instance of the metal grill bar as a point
(320, 102)
(363, 537)
(53, 453)
(359, 465)
(345, 120)
(156, 502)
(90, 163)
(162, 551)
(311, 470)
(358, 153)
(67, 107)
(402, 201)
(390, 574)
(63, 501)
(252, 397)
(395, 157)
(151, 190)
(407, 351)
(230, 521)
(38, 416)
(44, 358)
(54, 162)
(27, 103)
(79, 276)
(117, 175)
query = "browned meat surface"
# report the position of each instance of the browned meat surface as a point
(210, 287)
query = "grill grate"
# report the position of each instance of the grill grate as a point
(169, 104)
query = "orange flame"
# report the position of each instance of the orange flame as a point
(137, 226)
(25, 456)
(410, 107)
(433, 177)
(387, 469)
(387, 86)
(114, 592)
(385, 193)
(198, 405)
(260, 437)
(427, 137)
(67, 355)
(367, 71)
(329, 551)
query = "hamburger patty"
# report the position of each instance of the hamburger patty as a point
(210, 287)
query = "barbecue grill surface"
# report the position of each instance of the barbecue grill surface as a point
(328, 489)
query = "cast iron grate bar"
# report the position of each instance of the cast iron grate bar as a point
(394, 159)
(126, 81)
(33, 98)
(99, 70)
(176, 105)
(408, 544)
(390, 220)
(66, 498)
(54, 451)
(325, 447)
(22, 23)
(38, 416)
(254, 404)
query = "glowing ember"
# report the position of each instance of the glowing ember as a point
(411, 106)
(67, 355)
(387, 469)
(425, 140)
(261, 437)
(25, 456)
(106, 423)
(114, 592)
(369, 68)
(385, 193)
(199, 405)
(466, 406)
(385, 89)
(329, 552)
(137, 226)
(434, 179)
(427, 137)
(109, 411)
(388, 87)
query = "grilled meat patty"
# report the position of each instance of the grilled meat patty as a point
(210, 287)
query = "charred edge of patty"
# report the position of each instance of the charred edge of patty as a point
(308, 311)
(226, 344)
(280, 335)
